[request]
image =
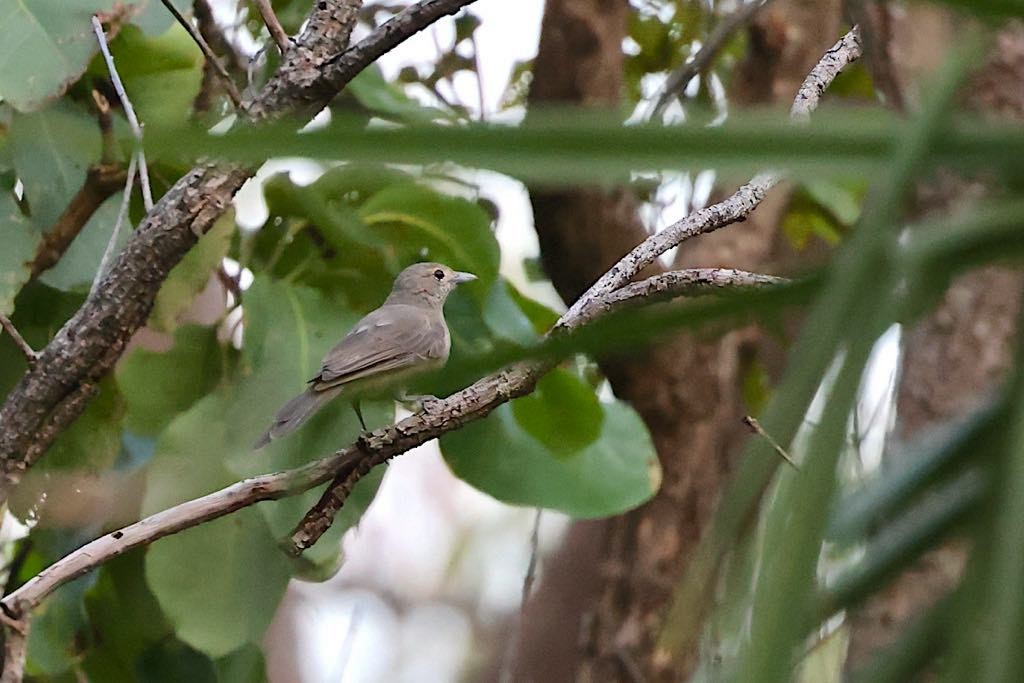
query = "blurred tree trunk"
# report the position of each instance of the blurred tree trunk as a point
(956, 356)
(596, 614)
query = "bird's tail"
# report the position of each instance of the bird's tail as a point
(296, 411)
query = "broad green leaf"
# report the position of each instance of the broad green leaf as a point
(506, 315)
(51, 150)
(805, 219)
(340, 226)
(20, 239)
(93, 440)
(615, 473)
(423, 224)
(157, 387)
(192, 274)
(153, 18)
(57, 626)
(123, 614)
(355, 183)
(562, 413)
(161, 74)
(77, 268)
(45, 47)
(245, 665)
(843, 200)
(174, 662)
(218, 583)
(389, 100)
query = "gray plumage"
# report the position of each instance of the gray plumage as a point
(407, 335)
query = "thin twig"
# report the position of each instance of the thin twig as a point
(392, 32)
(681, 77)
(204, 47)
(129, 111)
(508, 660)
(30, 355)
(122, 217)
(277, 31)
(756, 427)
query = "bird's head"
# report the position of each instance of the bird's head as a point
(427, 282)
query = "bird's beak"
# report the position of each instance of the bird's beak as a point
(461, 277)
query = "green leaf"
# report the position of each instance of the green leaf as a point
(422, 224)
(562, 413)
(51, 150)
(389, 100)
(57, 626)
(506, 315)
(162, 75)
(173, 662)
(153, 18)
(159, 386)
(218, 583)
(339, 224)
(245, 665)
(93, 441)
(806, 218)
(77, 269)
(20, 239)
(615, 473)
(46, 47)
(192, 274)
(123, 614)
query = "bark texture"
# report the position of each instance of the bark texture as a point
(599, 608)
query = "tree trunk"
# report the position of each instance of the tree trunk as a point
(598, 610)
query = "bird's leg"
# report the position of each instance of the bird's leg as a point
(359, 413)
(419, 401)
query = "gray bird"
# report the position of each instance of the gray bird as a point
(407, 335)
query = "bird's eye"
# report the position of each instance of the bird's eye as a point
(439, 274)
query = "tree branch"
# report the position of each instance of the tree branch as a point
(734, 208)
(51, 395)
(680, 78)
(277, 31)
(204, 47)
(472, 403)
(15, 648)
(742, 202)
(393, 32)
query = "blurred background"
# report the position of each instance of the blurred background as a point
(621, 523)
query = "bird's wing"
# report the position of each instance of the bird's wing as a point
(392, 338)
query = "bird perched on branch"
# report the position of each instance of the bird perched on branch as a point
(407, 335)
